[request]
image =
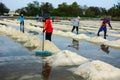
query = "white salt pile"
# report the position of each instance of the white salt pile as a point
(33, 41)
(70, 34)
(115, 35)
(59, 33)
(89, 27)
(28, 40)
(3, 29)
(48, 46)
(97, 40)
(97, 70)
(113, 44)
(30, 77)
(23, 37)
(66, 58)
(81, 37)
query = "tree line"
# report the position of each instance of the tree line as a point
(3, 9)
(72, 10)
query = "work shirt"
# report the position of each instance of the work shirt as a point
(105, 22)
(21, 18)
(76, 22)
(48, 26)
(37, 17)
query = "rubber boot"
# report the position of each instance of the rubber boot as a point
(104, 35)
(98, 34)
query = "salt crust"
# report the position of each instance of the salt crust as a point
(97, 70)
(66, 58)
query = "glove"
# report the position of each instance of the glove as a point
(43, 31)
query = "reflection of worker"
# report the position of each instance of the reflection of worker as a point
(75, 44)
(48, 29)
(103, 26)
(105, 48)
(46, 71)
(76, 24)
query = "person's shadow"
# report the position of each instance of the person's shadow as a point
(75, 44)
(105, 48)
(46, 71)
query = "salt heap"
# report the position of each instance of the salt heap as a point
(66, 58)
(70, 34)
(33, 42)
(113, 44)
(59, 33)
(8, 31)
(114, 35)
(30, 77)
(48, 46)
(81, 37)
(17, 35)
(23, 37)
(9, 22)
(97, 70)
(97, 40)
(3, 29)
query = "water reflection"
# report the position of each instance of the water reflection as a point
(105, 48)
(75, 44)
(46, 71)
(33, 32)
(3, 24)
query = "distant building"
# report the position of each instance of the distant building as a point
(13, 13)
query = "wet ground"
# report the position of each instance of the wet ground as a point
(19, 63)
(89, 50)
(16, 61)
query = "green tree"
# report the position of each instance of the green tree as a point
(22, 10)
(69, 10)
(46, 8)
(93, 11)
(84, 8)
(115, 10)
(33, 8)
(103, 11)
(3, 9)
(62, 9)
(75, 10)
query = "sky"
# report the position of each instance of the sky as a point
(15, 4)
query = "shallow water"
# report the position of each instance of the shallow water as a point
(19, 63)
(89, 50)
(16, 61)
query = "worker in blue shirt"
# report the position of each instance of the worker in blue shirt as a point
(37, 17)
(21, 18)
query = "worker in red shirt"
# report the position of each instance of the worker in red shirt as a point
(103, 26)
(48, 29)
